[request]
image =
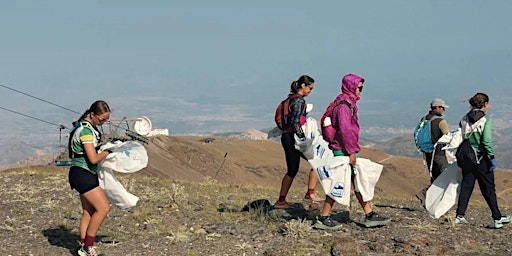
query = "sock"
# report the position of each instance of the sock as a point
(311, 191)
(460, 216)
(89, 241)
(281, 198)
(82, 240)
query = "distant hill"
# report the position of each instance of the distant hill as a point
(404, 146)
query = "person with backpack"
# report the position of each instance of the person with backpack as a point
(83, 173)
(477, 127)
(344, 141)
(433, 153)
(295, 108)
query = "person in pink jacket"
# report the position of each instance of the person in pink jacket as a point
(344, 141)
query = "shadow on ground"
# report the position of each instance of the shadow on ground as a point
(63, 237)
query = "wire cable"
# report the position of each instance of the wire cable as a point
(38, 119)
(51, 103)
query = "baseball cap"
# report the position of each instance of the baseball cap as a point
(438, 103)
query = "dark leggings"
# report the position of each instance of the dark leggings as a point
(485, 178)
(292, 155)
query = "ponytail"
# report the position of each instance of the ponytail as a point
(98, 107)
(304, 79)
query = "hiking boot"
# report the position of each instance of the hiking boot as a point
(461, 220)
(90, 251)
(499, 223)
(326, 223)
(374, 220)
(281, 205)
(422, 195)
(313, 197)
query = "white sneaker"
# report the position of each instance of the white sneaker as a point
(91, 251)
(504, 219)
(461, 220)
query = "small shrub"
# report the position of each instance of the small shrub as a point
(297, 228)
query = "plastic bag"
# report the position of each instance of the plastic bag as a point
(127, 157)
(335, 176)
(114, 190)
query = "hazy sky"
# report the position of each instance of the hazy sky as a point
(205, 66)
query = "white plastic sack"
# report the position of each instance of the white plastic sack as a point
(127, 157)
(443, 193)
(335, 176)
(452, 141)
(368, 174)
(114, 190)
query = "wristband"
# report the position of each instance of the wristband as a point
(110, 151)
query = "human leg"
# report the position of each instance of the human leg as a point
(313, 180)
(292, 157)
(466, 189)
(98, 207)
(324, 220)
(439, 164)
(87, 211)
(371, 218)
(485, 179)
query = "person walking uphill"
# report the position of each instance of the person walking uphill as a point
(297, 117)
(477, 127)
(344, 141)
(83, 174)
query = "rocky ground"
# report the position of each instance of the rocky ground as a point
(41, 214)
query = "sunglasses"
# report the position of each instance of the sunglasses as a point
(360, 88)
(102, 120)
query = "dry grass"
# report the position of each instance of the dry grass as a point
(174, 217)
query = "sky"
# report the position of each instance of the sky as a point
(201, 67)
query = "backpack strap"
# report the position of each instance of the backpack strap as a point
(71, 153)
(339, 102)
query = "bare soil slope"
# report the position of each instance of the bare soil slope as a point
(261, 162)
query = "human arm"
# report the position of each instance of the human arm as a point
(443, 126)
(487, 138)
(91, 154)
(297, 110)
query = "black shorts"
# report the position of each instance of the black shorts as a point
(82, 180)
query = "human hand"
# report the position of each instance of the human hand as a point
(352, 159)
(494, 164)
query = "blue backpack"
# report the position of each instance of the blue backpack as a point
(423, 135)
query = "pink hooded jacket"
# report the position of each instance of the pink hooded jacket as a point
(344, 121)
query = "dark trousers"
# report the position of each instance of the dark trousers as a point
(485, 178)
(292, 155)
(439, 164)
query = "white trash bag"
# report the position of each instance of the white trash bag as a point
(114, 190)
(127, 157)
(335, 176)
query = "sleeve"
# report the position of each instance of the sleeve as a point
(297, 108)
(86, 135)
(487, 138)
(443, 126)
(346, 128)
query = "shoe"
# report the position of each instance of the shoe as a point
(374, 220)
(313, 197)
(422, 195)
(91, 251)
(461, 220)
(281, 205)
(499, 223)
(326, 223)
(80, 246)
